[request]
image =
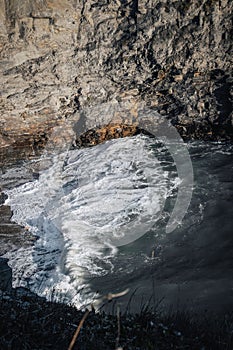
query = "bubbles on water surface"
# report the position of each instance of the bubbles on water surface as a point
(86, 205)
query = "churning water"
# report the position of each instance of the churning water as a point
(100, 216)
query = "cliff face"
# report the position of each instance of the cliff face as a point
(60, 56)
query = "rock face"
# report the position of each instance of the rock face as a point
(60, 57)
(5, 275)
(12, 236)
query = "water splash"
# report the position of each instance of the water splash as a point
(88, 203)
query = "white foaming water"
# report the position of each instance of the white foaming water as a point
(82, 208)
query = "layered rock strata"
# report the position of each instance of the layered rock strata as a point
(58, 58)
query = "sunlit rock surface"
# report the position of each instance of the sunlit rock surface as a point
(60, 57)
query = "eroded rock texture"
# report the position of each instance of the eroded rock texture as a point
(60, 56)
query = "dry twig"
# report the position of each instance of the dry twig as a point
(75, 336)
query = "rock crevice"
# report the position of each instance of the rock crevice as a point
(60, 57)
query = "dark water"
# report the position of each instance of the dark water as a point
(190, 267)
(193, 266)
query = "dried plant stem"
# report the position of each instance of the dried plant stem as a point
(75, 336)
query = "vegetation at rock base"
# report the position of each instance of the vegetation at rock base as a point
(30, 322)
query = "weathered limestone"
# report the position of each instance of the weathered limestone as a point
(60, 57)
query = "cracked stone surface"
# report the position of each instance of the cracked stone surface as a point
(59, 58)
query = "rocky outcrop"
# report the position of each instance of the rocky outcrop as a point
(12, 237)
(59, 57)
(5, 275)
(112, 131)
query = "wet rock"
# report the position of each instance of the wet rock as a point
(12, 235)
(107, 132)
(5, 213)
(3, 197)
(5, 275)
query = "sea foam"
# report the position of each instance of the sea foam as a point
(82, 208)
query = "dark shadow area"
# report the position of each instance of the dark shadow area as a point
(29, 322)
